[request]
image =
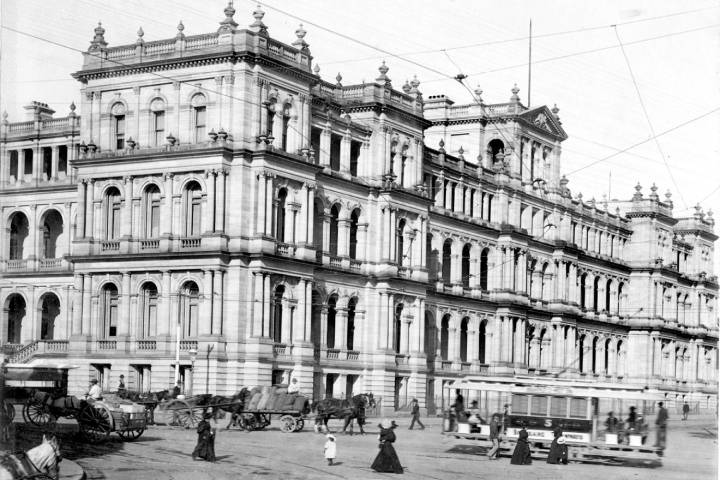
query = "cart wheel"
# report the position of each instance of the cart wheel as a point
(183, 414)
(130, 435)
(37, 413)
(247, 421)
(299, 424)
(95, 422)
(287, 424)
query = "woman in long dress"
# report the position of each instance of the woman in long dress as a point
(205, 447)
(387, 460)
(521, 455)
(558, 449)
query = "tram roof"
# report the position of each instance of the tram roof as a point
(556, 387)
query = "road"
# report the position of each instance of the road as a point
(164, 453)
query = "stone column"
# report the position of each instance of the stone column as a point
(81, 216)
(341, 328)
(220, 201)
(269, 193)
(218, 289)
(324, 153)
(343, 237)
(164, 320)
(208, 218)
(266, 305)
(257, 320)
(123, 326)
(90, 222)
(206, 313)
(87, 305)
(166, 218)
(345, 152)
(77, 305)
(126, 228)
(383, 321)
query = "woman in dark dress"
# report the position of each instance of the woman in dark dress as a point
(521, 455)
(558, 450)
(205, 447)
(387, 460)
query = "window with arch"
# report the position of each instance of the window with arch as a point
(331, 315)
(189, 297)
(593, 354)
(397, 330)
(148, 310)
(400, 242)
(354, 219)
(446, 261)
(19, 231)
(596, 294)
(350, 340)
(151, 211)
(50, 309)
(334, 223)
(270, 116)
(199, 117)
(464, 339)
(484, 268)
(430, 335)
(285, 126)
(318, 220)
(192, 208)
(280, 215)
(496, 149)
(277, 314)
(109, 300)
(16, 311)
(51, 231)
(583, 281)
(112, 207)
(118, 125)
(444, 337)
(157, 117)
(465, 266)
(482, 339)
(581, 354)
(608, 292)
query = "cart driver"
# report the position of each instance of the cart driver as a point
(94, 392)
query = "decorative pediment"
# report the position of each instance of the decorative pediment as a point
(543, 119)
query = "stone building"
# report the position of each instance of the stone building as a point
(222, 215)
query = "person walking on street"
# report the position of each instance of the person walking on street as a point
(415, 412)
(611, 424)
(522, 455)
(387, 460)
(330, 448)
(686, 411)
(494, 438)
(459, 406)
(205, 447)
(661, 424)
(558, 453)
(121, 384)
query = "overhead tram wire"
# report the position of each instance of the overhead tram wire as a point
(647, 117)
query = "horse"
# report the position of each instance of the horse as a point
(38, 462)
(345, 409)
(233, 405)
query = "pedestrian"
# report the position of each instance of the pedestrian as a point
(558, 453)
(387, 460)
(632, 418)
(294, 387)
(611, 423)
(94, 391)
(521, 455)
(460, 406)
(495, 428)
(661, 424)
(474, 418)
(686, 411)
(505, 418)
(205, 447)
(330, 448)
(121, 384)
(415, 412)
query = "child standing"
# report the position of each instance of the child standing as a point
(330, 448)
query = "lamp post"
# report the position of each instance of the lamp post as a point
(193, 354)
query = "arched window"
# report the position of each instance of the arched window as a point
(280, 215)
(157, 117)
(581, 353)
(397, 330)
(496, 149)
(19, 230)
(118, 125)
(285, 126)
(189, 309)
(334, 218)
(544, 281)
(16, 310)
(447, 261)
(51, 231)
(484, 268)
(199, 117)
(276, 332)
(594, 354)
(50, 309)
(148, 310)
(607, 356)
(619, 367)
(464, 339)
(192, 207)
(316, 309)
(444, 337)
(331, 314)
(318, 221)
(151, 211)
(400, 242)
(466, 266)
(350, 339)
(482, 338)
(354, 219)
(596, 292)
(583, 279)
(430, 335)
(608, 288)
(620, 293)
(270, 117)
(112, 213)
(109, 300)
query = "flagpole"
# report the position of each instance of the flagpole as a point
(529, 63)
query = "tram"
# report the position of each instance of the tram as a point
(542, 405)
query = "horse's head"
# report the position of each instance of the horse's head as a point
(47, 456)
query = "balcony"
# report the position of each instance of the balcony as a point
(110, 246)
(107, 344)
(26, 352)
(465, 366)
(146, 345)
(355, 265)
(335, 261)
(279, 350)
(352, 355)
(187, 345)
(333, 354)
(46, 264)
(402, 360)
(17, 265)
(146, 245)
(446, 365)
(189, 243)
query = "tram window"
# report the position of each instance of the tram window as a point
(578, 407)
(558, 407)
(520, 404)
(538, 405)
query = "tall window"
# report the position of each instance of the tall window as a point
(158, 127)
(484, 269)
(148, 310)
(350, 340)
(398, 328)
(466, 266)
(199, 117)
(119, 131)
(335, 142)
(280, 215)
(354, 157)
(270, 118)
(109, 308)
(52, 229)
(446, 261)
(151, 208)
(14, 163)
(19, 231)
(285, 126)
(331, 314)
(189, 309)
(444, 337)
(481, 341)
(583, 280)
(354, 218)
(334, 217)
(276, 332)
(112, 213)
(192, 206)
(464, 339)
(400, 242)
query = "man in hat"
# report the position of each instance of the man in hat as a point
(121, 384)
(415, 412)
(94, 392)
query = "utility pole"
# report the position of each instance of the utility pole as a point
(529, 63)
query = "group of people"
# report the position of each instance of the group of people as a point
(386, 461)
(636, 425)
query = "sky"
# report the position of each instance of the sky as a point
(664, 80)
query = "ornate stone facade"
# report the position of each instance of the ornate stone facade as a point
(217, 197)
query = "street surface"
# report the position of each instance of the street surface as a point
(164, 453)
